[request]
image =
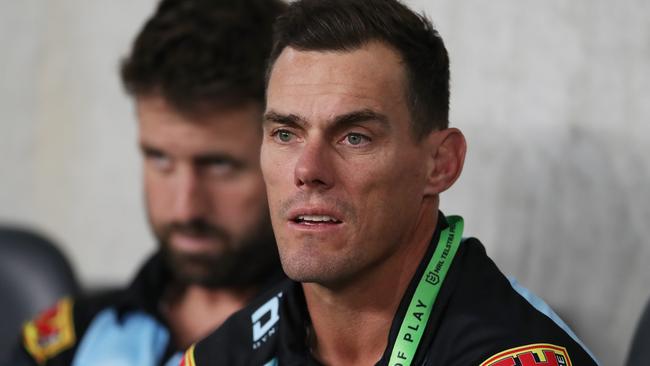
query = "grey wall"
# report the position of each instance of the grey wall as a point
(554, 99)
(549, 93)
(67, 133)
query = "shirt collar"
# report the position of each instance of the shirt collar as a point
(146, 289)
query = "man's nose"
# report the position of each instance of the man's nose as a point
(314, 168)
(189, 200)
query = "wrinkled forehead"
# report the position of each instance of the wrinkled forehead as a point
(373, 72)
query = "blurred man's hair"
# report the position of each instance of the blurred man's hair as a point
(346, 25)
(202, 53)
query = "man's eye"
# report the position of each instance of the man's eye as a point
(356, 139)
(220, 167)
(283, 135)
(159, 161)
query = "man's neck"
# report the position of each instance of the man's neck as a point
(193, 312)
(350, 324)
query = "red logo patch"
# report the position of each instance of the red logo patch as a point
(51, 333)
(540, 354)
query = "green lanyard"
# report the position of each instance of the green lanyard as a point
(419, 310)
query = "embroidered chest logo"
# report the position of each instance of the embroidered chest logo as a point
(51, 333)
(265, 320)
(531, 355)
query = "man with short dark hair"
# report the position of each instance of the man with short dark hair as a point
(196, 72)
(355, 153)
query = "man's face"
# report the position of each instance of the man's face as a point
(204, 191)
(344, 174)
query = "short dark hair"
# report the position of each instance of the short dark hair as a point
(198, 53)
(346, 25)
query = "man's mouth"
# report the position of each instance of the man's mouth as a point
(197, 243)
(316, 220)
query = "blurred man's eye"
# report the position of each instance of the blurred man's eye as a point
(158, 160)
(219, 166)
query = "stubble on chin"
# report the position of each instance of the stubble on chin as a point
(241, 263)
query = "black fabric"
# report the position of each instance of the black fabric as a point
(477, 314)
(33, 275)
(639, 353)
(146, 290)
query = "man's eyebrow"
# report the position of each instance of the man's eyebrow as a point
(362, 115)
(147, 149)
(285, 119)
(218, 158)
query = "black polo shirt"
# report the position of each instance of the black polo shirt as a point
(480, 317)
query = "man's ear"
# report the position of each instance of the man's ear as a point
(447, 149)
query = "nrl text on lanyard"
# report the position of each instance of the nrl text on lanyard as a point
(426, 292)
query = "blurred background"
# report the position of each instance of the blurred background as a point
(553, 96)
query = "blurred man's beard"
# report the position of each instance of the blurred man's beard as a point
(242, 264)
